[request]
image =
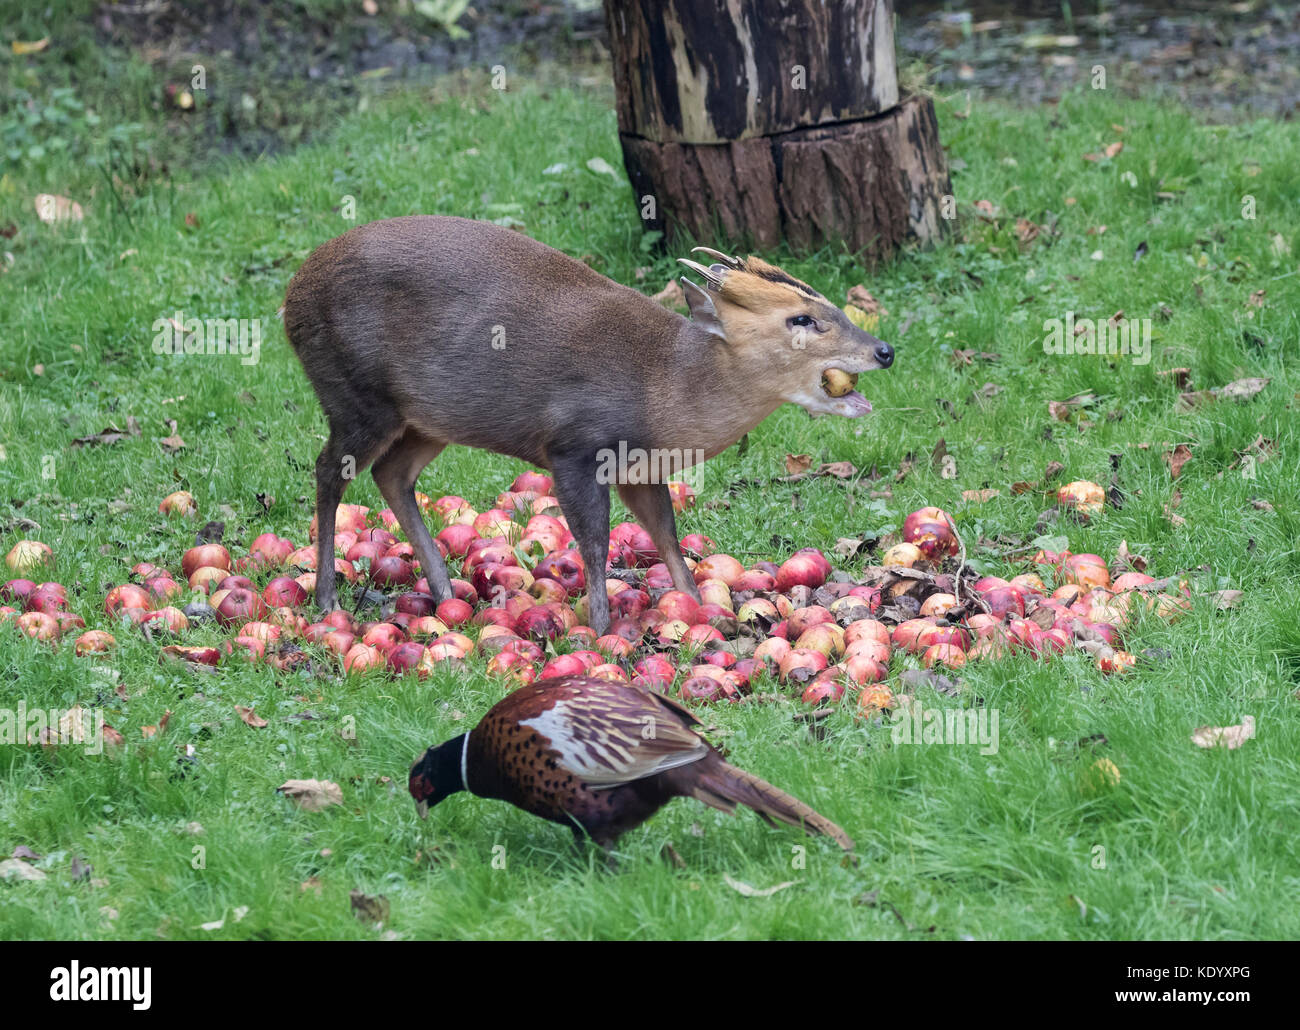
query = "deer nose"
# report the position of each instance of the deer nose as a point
(884, 354)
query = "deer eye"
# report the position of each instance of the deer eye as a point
(803, 321)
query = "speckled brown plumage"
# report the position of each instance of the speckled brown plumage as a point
(598, 756)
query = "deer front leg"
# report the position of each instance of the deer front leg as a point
(652, 505)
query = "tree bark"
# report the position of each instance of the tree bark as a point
(762, 120)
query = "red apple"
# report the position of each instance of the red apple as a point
(204, 556)
(128, 595)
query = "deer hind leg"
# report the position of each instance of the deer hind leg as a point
(395, 474)
(344, 455)
(585, 503)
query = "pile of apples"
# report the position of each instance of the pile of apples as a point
(520, 607)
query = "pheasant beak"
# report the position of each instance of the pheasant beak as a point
(422, 809)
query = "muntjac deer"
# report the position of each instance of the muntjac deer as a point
(422, 331)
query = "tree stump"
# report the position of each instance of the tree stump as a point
(762, 120)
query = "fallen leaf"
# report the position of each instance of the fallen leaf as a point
(846, 547)
(369, 908)
(1242, 389)
(1027, 231)
(948, 467)
(980, 496)
(250, 717)
(107, 435)
(1182, 377)
(23, 851)
(173, 443)
(860, 298)
(795, 464)
(1231, 737)
(35, 46)
(1256, 299)
(311, 795)
(754, 892)
(1114, 148)
(17, 869)
(671, 296)
(216, 924)
(602, 167)
(1177, 458)
(1225, 599)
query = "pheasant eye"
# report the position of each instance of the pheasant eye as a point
(802, 320)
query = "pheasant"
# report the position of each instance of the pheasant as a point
(600, 757)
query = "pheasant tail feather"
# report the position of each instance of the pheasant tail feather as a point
(724, 786)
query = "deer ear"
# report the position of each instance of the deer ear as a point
(703, 313)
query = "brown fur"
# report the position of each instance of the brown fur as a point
(395, 324)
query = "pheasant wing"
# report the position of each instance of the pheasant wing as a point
(607, 739)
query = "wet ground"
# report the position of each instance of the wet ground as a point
(1226, 60)
(282, 72)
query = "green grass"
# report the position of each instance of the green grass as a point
(1196, 844)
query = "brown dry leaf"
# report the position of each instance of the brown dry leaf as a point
(152, 731)
(904, 467)
(51, 208)
(797, 464)
(948, 467)
(112, 739)
(1125, 558)
(369, 908)
(1256, 299)
(1114, 148)
(1021, 487)
(1261, 448)
(980, 496)
(846, 547)
(967, 355)
(1177, 458)
(1170, 514)
(250, 717)
(754, 892)
(1059, 410)
(1225, 599)
(838, 469)
(191, 220)
(1231, 737)
(1053, 469)
(22, 47)
(173, 443)
(312, 883)
(1182, 377)
(1027, 231)
(671, 296)
(859, 297)
(987, 392)
(986, 209)
(311, 795)
(107, 435)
